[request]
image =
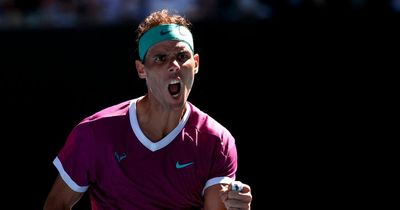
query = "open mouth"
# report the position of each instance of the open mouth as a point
(174, 87)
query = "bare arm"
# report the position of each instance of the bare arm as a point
(61, 196)
(212, 200)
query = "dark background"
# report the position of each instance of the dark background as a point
(292, 89)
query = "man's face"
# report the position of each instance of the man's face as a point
(169, 71)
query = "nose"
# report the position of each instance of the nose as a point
(174, 65)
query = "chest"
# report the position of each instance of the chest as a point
(176, 172)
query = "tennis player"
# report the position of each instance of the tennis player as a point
(156, 151)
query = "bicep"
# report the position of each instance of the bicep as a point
(61, 196)
(212, 200)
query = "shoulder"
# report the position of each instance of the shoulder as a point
(205, 124)
(102, 124)
(114, 111)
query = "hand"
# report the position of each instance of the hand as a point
(236, 199)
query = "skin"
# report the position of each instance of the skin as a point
(61, 196)
(236, 200)
(216, 197)
(159, 113)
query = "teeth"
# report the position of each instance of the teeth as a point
(175, 81)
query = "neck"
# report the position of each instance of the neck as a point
(156, 121)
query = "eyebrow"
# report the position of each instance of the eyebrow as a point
(167, 52)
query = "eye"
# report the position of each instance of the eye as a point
(182, 56)
(159, 58)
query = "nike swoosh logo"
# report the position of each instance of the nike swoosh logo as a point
(163, 32)
(178, 166)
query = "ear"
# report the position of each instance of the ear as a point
(140, 69)
(196, 63)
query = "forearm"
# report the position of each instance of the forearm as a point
(53, 205)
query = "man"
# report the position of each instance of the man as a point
(157, 151)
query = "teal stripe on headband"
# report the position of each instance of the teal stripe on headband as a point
(161, 33)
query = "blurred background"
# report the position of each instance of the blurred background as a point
(50, 14)
(291, 79)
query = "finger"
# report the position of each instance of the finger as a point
(243, 197)
(223, 194)
(245, 188)
(236, 204)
